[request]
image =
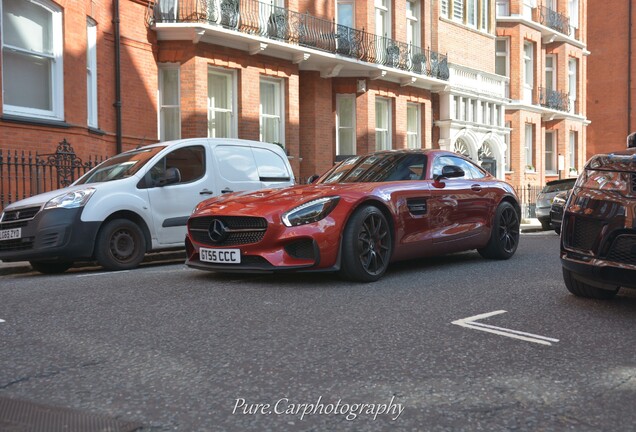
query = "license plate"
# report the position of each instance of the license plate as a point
(220, 256)
(10, 234)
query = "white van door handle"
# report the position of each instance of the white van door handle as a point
(206, 192)
(226, 190)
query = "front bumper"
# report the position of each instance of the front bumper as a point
(599, 272)
(54, 234)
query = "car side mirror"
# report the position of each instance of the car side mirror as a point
(450, 171)
(313, 178)
(172, 176)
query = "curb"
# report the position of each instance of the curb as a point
(150, 258)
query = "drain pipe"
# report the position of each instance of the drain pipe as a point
(629, 68)
(117, 104)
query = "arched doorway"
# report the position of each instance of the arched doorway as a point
(462, 148)
(487, 158)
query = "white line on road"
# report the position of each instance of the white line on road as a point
(101, 274)
(1, 321)
(471, 323)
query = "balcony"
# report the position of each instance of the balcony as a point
(553, 99)
(554, 20)
(222, 20)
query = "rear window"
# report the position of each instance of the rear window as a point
(557, 187)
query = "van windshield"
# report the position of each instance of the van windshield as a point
(121, 166)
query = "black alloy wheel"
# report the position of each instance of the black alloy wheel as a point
(504, 238)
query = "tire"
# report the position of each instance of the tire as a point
(558, 230)
(545, 225)
(51, 267)
(120, 245)
(582, 289)
(504, 237)
(367, 245)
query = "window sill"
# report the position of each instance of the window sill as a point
(96, 131)
(35, 121)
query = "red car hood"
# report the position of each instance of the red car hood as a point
(274, 201)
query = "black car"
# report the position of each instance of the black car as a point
(598, 234)
(556, 210)
(545, 197)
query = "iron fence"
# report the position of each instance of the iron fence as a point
(528, 199)
(25, 174)
(266, 20)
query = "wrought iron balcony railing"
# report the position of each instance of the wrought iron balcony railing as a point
(265, 20)
(554, 99)
(554, 20)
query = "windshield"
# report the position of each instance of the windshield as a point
(121, 166)
(560, 186)
(378, 168)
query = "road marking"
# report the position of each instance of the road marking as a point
(471, 323)
(1, 321)
(101, 274)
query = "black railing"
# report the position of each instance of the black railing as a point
(554, 20)
(528, 199)
(554, 99)
(272, 22)
(24, 175)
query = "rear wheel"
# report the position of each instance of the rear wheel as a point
(51, 267)
(121, 245)
(504, 237)
(545, 225)
(366, 245)
(583, 289)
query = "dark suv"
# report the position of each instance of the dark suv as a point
(545, 197)
(598, 234)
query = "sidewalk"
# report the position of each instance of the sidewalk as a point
(527, 225)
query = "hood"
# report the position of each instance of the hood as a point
(43, 198)
(618, 161)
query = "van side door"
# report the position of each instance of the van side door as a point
(236, 169)
(176, 184)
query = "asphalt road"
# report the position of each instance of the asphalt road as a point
(180, 349)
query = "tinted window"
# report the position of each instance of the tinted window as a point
(378, 168)
(271, 167)
(236, 163)
(557, 187)
(471, 171)
(190, 161)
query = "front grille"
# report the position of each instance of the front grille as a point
(240, 230)
(22, 214)
(585, 233)
(16, 244)
(10, 225)
(623, 249)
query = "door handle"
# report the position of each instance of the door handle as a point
(206, 192)
(226, 190)
(476, 187)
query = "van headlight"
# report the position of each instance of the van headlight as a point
(312, 211)
(74, 199)
(604, 180)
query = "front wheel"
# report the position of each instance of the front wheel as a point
(504, 237)
(121, 245)
(51, 267)
(582, 289)
(366, 245)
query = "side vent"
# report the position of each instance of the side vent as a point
(417, 206)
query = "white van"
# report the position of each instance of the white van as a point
(135, 202)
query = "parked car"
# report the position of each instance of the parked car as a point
(598, 235)
(556, 210)
(545, 197)
(135, 202)
(361, 215)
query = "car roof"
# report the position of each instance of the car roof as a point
(555, 182)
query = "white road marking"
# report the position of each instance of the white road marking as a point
(1, 321)
(471, 323)
(101, 274)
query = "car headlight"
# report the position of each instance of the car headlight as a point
(604, 180)
(69, 200)
(312, 211)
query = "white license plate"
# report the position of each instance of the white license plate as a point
(10, 234)
(220, 256)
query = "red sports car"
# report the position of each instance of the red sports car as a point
(364, 213)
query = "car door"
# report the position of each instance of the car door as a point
(458, 207)
(171, 204)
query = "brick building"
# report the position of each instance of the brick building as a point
(324, 79)
(612, 75)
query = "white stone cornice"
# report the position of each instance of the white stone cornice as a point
(257, 48)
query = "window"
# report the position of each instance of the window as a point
(346, 124)
(271, 111)
(572, 66)
(529, 147)
(471, 171)
(444, 10)
(503, 8)
(484, 15)
(471, 13)
(33, 82)
(528, 70)
(413, 22)
(221, 118)
(271, 167)
(502, 59)
(236, 163)
(573, 8)
(91, 72)
(413, 128)
(190, 161)
(169, 105)
(458, 10)
(550, 153)
(383, 18)
(382, 124)
(550, 72)
(572, 152)
(345, 13)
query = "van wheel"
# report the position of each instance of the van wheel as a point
(121, 245)
(51, 267)
(581, 289)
